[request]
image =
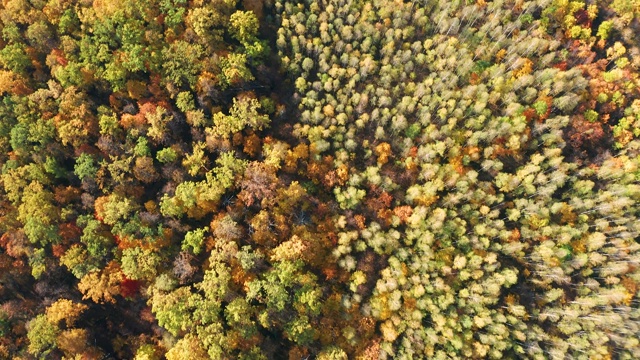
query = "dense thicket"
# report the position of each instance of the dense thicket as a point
(477, 138)
(319, 179)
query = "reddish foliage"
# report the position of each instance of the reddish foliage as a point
(380, 200)
(126, 242)
(147, 315)
(69, 231)
(5, 263)
(582, 18)
(530, 114)
(116, 100)
(60, 58)
(259, 183)
(360, 221)
(403, 212)
(561, 65)
(585, 135)
(330, 179)
(333, 238)
(146, 107)
(156, 87)
(317, 171)
(14, 243)
(252, 144)
(129, 288)
(330, 272)
(474, 79)
(371, 351)
(86, 148)
(58, 250)
(413, 152)
(385, 216)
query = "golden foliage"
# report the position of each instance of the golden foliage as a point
(102, 286)
(66, 310)
(187, 348)
(73, 342)
(525, 69)
(291, 249)
(383, 150)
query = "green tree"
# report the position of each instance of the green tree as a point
(244, 26)
(181, 62)
(78, 261)
(38, 214)
(42, 335)
(244, 113)
(173, 10)
(96, 238)
(234, 69)
(142, 147)
(147, 352)
(85, 167)
(239, 315)
(13, 57)
(185, 199)
(184, 101)
(140, 264)
(194, 240)
(174, 310)
(114, 208)
(166, 155)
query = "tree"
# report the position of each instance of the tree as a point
(239, 315)
(38, 214)
(102, 286)
(234, 69)
(42, 335)
(64, 309)
(173, 310)
(196, 161)
(173, 11)
(259, 182)
(114, 208)
(166, 155)
(147, 352)
(158, 121)
(244, 113)
(140, 264)
(194, 240)
(184, 101)
(40, 36)
(226, 229)
(74, 342)
(13, 57)
(85, 167)
(75, 120)
(181, 63)
(332, 353)
(189, 347)
(78, 261)
(144, 170)
(207, 22)
(244, 26)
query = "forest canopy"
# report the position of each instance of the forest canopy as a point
(328, 179)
